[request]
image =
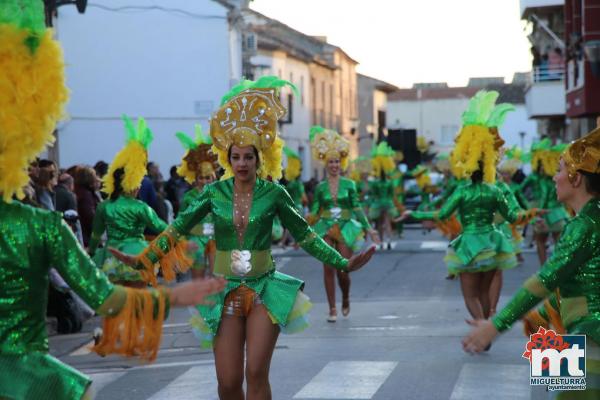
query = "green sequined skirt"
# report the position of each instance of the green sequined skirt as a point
(377, 207)
(505, 228)
(480, 252)
(280, 294)
(350, 231)
(38, 375)
(113, 268)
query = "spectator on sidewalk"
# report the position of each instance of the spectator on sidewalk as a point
(87, 199)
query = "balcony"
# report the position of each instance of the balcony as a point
(545, 97)
(528, 5)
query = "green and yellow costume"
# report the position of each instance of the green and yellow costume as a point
(381, 186)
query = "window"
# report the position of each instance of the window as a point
(448, 133)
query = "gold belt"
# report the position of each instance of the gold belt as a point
(261, 262)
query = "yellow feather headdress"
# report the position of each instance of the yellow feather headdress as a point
(32, 91)
(199, 160)
(478, 141)
(293, 169)
(327, 144)
(382, 159)
(133, 158)
(248, 117)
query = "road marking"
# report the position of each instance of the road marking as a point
(83, 350)
(389, 317)
(384, 328)
(197, 383)
(281, 262)
(101, 379)
(151, 366)
(500, 381)
(176, 325)
(434, 245)
(347, 380)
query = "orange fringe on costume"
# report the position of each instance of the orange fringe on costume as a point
(450, 228)
(174, 260)
(527, 216)
(533, 320)
(136, 330)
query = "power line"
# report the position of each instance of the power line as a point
(134, 9)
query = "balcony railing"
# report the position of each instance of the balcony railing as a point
(548, 73)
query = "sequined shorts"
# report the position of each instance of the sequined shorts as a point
(240, 302)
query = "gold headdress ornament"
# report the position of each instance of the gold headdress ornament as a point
(248, 117)
(293, 169)
(199, 160)
(327, 144)
(584, 154)
(478, 140)
(33, 91)
(132, 158)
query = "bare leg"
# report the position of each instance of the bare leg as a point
(229, 357)
(261, 336)
(541, 239)
(495, 289)
(470, 285)
(329, 281)
(344, 279)
(211, 262)
(484, 291)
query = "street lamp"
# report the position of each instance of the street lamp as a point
(522, 135)
(52, 5)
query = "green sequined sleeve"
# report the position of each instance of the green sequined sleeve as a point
(357, 207)
(304, 235)
(98, 228)
(181, 226)
(315, 207)
(75, 266)
(443, 213)
(152, 220)
(571, 252)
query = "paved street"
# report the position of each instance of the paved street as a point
(401, 341)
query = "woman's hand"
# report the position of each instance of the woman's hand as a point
(357, 261)
(126, 259)
(374, 236)
(405, 215)
(195, 291)
(482, 335)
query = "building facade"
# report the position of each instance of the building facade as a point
(168, 61)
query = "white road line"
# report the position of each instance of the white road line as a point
(281, 262)
(152, 366)
(197, 383)
(176, 325)
(83, 350)
(347, 380)
(434, 245)
(498, 381)
(101, 379)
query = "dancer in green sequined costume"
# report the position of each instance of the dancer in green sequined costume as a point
(32, 240)
(258, 301)
(122, 216)
(198, 168)
(480, 249)
(382, 208)
(573, 268)
(339, 214)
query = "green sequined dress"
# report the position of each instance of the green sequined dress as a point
(480, 247)
(501, 223)
(346, 212)
(573, 269)
(280, 293)
(203, 233)
(295, 189)
(31, 241)
(124, 221)
(557, 214)
(381, 196)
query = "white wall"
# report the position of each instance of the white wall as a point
(440, 120)
(295, 134)
(168, 67)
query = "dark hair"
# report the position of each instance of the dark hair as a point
(477, 176)
(253, 149)
(46, 163)
(101, 168)
(85, 176)
(592, 183)
(173, 171)
(118, 179)
(382, 175)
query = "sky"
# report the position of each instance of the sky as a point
(408, 41)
